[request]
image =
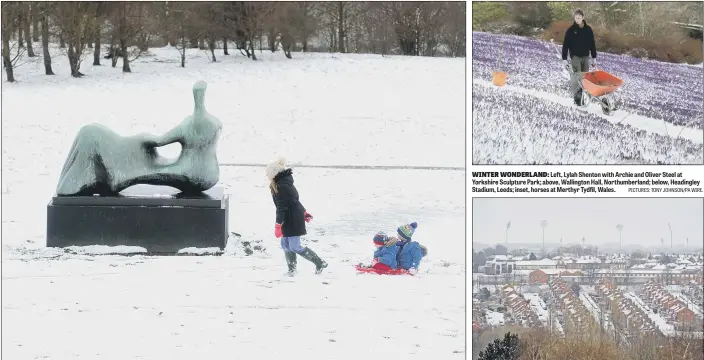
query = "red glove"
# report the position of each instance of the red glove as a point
(308, 217)
(277, 231)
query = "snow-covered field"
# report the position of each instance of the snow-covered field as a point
(317, 109)
(532, 119)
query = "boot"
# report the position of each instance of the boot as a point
(291, 261)
(311, 256)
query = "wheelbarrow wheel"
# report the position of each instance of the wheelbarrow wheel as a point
(608, 106)
(585, 99)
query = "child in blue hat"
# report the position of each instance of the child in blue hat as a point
(385, 256)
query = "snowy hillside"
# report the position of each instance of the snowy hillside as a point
(326, 110)
(533, 120)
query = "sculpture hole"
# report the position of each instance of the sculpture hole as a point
(170, 152)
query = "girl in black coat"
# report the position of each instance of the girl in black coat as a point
(291, 216)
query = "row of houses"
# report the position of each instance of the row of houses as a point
(624, 313)
(576, 317)
(519, 307)
(665, 303)
(502, 264)
(542, 276)
(620, 277)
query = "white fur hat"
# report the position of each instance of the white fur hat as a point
(275, 167)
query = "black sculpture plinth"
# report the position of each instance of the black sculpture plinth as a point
(161, 220)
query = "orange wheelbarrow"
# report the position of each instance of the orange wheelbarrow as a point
(599, 86)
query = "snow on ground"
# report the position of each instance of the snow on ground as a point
(532, 119)
(665, 328)
(588, 289)
(494, 318)
(556, 325)
(199, 251)
(513, 127)
(539, 307)
(650, 125)
(105, 250)
(594, 309)
(317, 109)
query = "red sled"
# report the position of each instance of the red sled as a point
(382, 272)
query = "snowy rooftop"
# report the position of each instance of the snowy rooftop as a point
(560, 271)
(536, 262)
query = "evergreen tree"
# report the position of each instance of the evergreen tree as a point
(506, 349)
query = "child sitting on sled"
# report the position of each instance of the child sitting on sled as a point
(410, 252)
(384, 256)
(410, 256)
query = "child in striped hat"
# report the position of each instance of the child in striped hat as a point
(406, 232)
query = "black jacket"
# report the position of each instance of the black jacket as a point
(289, 211)
(579, 41)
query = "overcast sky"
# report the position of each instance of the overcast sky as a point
(644, 220)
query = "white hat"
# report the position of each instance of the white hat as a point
(275, 167)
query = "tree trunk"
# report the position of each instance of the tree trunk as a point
(333, 39)
(183, 49)
(144, 43)
(287, 42)
(45, 45)
(35, 24)
(62, 42)
(224, 46)
(20, 32)
(211, 47)
(341, 26)
(271, 40)
(73, 60)
(6, 60)
(201, 44)
(125, 56)
(261, 47)
(26, 28)
(6, 47)
(113, 52)
(251, 47)
(96, 50)
(305, 27)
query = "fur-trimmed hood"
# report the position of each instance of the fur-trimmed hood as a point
(275, 167)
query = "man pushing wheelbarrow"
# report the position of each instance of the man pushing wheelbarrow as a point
(585, 85)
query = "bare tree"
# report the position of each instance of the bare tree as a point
(9, 12)
(208, 23)
(75, 20)
(249, 18)
(341, 7)
(181, 15)
(34, 18)
(404, 17)
(125, 32)
(101, 10)
(44, 20)
(25, 26)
